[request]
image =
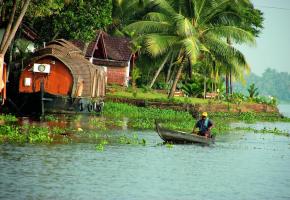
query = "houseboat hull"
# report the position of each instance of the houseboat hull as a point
(44, 103)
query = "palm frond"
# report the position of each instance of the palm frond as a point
(157, 44)
(183, 26)
(191, 48)
(239, 35)
(211, 10)
(146, 27)
(156, 16)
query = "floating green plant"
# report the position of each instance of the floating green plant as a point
(169, 145)
(24, 134)
(274, 131)
(132, 140)
(8, 118)
(98, 123)
(58, 130)
(101, 145)
(49, 118)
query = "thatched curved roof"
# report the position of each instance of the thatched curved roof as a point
(79, 66)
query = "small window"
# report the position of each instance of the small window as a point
(27, 82)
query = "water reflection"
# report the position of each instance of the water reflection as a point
(238, 166)
(241, 165)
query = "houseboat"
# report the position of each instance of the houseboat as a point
(59, 79)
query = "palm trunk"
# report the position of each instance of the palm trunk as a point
(169, 70)
(228, 73)
(231, 85)
(173, 88)
(204, 87)
(227, 84)
(133, 74)
(158, 71)
(189, 70)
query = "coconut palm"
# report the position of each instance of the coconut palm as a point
(125, 12)
(193, 30)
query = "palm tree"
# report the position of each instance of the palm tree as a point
(193, 30)
(125, 12)
(165, 31)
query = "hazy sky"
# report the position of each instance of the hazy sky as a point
(273, 45)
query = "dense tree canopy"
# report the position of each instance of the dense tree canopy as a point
(194, 31)
(72, 19)
(184, 37)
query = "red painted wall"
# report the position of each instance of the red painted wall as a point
(58, 82)
(116, 75)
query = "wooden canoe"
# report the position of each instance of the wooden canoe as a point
(181, 137)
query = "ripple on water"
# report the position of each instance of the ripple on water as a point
(238, 166)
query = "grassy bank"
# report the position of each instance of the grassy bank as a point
(159, 99)
(152, 95)
(119, 115)
(143, 118)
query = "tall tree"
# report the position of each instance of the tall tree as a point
(195, 29)
(16, 11)
(248, 18)
(73, 19)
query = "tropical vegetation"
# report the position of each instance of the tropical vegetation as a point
(188, 45)
(191, 38)
(271, 84)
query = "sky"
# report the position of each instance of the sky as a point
(273, 45)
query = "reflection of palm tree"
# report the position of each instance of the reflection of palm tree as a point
(192, 30)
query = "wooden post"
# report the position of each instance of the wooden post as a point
(42, 97)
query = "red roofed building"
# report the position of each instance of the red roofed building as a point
(111, 52)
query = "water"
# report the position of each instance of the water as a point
(284, 109)
(239, 166)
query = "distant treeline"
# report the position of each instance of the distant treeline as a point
(272, 83)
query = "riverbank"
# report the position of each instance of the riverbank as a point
(158, 99)
(202, 105)
(116, 116)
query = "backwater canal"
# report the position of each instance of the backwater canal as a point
(241, 165)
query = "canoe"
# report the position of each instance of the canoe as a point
(181, 137)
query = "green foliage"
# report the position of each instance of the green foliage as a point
(265, 130)
(132, 140)
(76, 20)
(144, 117)
(49, 118)
(239, 98)
(136, 73)
(98, 123)
(270, 83)
(25, 134)
(253, 91)
(101, 146)
(192, 89)
(57, 130)
(169, 145)
(176, 28)
(248, 117)
(161, 85)
(152, 95)
(8, 118)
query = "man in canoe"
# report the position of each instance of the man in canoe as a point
(204, 125)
